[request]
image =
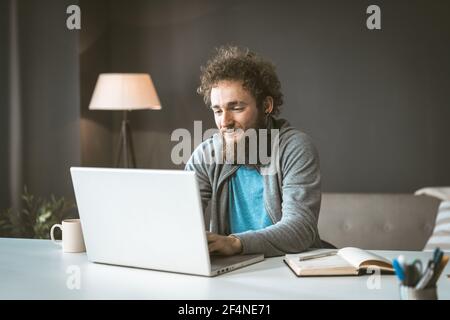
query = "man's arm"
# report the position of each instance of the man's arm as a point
(196, 163)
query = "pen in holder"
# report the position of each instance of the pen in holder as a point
(418, 282)
(411, 293)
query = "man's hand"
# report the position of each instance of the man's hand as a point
(223, 245)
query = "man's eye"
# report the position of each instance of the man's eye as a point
(217, 111)
(238, 108)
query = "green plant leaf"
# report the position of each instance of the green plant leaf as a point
(36, 218)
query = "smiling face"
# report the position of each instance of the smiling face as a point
(235, 110)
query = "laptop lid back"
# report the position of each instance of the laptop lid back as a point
(142, 218)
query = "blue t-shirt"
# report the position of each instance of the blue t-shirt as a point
(246, 202)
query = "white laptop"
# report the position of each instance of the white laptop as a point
(148, 219)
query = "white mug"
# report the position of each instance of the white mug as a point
(72, 236)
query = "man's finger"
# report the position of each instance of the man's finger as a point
(213, 246)
(211, 236)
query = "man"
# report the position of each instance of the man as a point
(252, 212)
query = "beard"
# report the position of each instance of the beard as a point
(242, 146)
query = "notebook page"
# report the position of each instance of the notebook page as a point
(329, 262)
(356, 257)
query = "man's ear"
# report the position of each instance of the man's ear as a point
(268, 105)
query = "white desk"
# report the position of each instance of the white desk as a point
(36, 269)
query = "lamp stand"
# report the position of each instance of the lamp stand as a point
(125, 147)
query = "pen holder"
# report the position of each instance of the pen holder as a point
(411, 293)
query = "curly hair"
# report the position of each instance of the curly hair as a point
(257, 75)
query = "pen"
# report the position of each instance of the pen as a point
(398, 270)
(318, 255)
(401, 259)
(438, 270)
(427, 275)
(437, 257)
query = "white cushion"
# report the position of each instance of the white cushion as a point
(442, 193)
(441, 232)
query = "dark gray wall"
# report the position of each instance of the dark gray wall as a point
(50, 92)
(96, 126)
(376, 103)
(47, 70)
(4, 98)
(39, 85)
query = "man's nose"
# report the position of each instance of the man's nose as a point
(227, 120)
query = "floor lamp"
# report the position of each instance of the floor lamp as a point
(125, 92)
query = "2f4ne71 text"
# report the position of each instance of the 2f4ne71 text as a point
(226, 309)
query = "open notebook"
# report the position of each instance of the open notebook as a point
(347, 261)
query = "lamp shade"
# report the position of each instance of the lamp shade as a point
(124, 91)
